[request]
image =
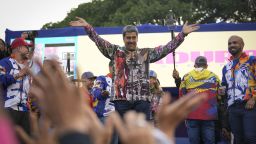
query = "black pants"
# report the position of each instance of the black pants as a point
(141, 106)
(242, 123)
(21, 119)
(123, 106)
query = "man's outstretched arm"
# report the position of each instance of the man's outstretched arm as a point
(163, 50)
(105, 47)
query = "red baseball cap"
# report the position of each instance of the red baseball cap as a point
(19, 42)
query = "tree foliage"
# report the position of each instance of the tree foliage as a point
(123, 12)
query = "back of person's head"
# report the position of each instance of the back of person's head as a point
(201, 61)
(152, 74)
(130, 28)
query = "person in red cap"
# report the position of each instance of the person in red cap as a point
(15, 82)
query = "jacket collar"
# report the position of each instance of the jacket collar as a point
(243, 55)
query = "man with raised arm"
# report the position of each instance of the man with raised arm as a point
(131, 65)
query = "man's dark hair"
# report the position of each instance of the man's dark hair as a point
(201, 61)
(130, 28)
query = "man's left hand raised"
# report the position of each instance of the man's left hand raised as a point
(189, 28)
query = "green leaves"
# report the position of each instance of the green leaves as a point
(123, 12)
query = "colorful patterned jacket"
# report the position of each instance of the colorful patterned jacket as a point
(239, 77)
(15, 92)
(203, 81)
(131, 69)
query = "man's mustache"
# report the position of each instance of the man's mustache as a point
(25, 56)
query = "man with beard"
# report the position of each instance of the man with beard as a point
(131, 65)
(239, 79)
(15, 81)
(88, 81)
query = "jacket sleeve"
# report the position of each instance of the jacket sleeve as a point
(97, 94)
(252, 80)
(163, 50)
(105, 47)
(5, 78)
(218, 84)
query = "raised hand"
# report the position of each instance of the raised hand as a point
(175, 74)
(58, 99)
(134, 130)
(99, 133)
(226, 134)
(250, 103)
(23, 72)
(63, 103)
(40, 133)
(79, 22)
(189, 28)
(170, 115)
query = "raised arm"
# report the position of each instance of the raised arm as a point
(163, 50)
(105, 47)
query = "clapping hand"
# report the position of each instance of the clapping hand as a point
(171, 115)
